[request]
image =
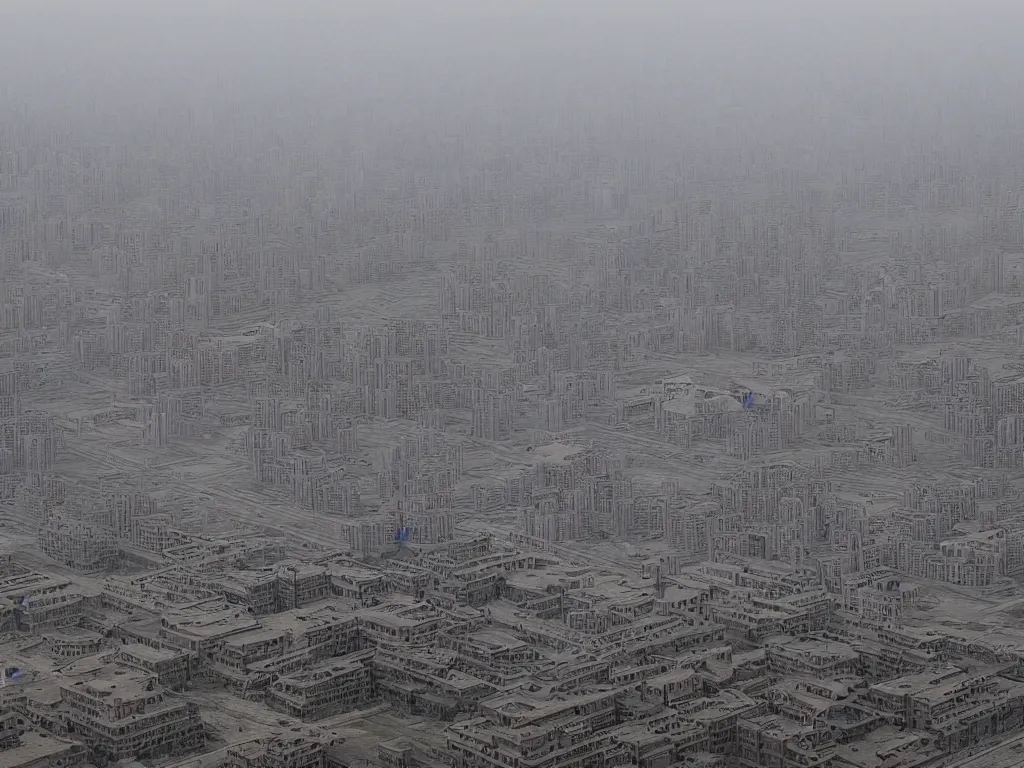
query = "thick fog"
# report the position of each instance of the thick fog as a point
(792, 61)
(545, 384)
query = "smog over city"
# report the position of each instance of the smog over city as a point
(511, 384)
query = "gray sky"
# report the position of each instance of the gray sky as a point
(58, 47)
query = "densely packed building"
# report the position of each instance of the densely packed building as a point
(441, 430)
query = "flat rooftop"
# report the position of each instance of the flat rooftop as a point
(36, 747)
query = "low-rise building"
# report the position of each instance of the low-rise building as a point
(339, 685)
(121, 714)
(811, 657)
(172, 668)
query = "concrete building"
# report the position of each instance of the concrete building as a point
(340, 685)
(122, 714)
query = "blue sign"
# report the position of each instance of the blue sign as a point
(748, 400)
(402, 534)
